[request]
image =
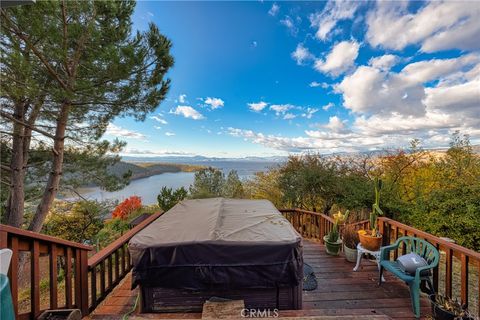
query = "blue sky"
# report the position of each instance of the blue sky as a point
(272, 78)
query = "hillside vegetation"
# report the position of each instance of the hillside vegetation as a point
(140, 170)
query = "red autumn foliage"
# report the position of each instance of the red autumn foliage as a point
(124, 209)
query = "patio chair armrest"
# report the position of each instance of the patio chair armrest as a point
(385, 250)
(419, 270)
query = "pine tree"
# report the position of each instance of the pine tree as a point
(70, 68)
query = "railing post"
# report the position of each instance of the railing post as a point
(35, 279)
(53, 276)
(84, 282)
(68, 277)
(448, 272)
(464, 282)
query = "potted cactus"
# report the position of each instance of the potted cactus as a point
(333, 243)
(372, 239)
(350, 241)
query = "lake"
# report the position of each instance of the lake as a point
(148, 188)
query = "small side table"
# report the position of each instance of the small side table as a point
(361, 251)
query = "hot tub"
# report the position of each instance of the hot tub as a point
(227, 248)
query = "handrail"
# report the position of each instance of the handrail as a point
(105, 252)
(28, 250)
(315, 225)
(310, 224)
(449, 272)
(419, 233)
(111, 264)
(42, 237)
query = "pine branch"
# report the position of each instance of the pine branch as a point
(9, 117)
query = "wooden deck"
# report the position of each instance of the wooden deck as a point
(341, 293)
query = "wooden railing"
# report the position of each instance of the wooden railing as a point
(89, 280)
(110, 265)
(86, 281)
(315, 225)
(32, 251)
(458, 273)
(457, 276)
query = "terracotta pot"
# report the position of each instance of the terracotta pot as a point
(332, 248)
(370, 242)
(350, 254)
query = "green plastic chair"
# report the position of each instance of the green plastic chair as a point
(6, 303)
(422, 275)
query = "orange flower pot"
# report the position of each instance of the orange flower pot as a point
(368, 241)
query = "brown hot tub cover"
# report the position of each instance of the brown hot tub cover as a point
(218, 244)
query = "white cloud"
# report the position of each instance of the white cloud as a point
(281, 108)
(187, 112)
(290, 24)
(335, 124)
(427, 99)
(153, 153)
(169, 134)
(309, 112)
(117, 131)
(158, 127)
(214, 103)
(274, 10)
(374, 91)
(333, 12)
(328, 106)
(182, 98)
(436, 26)
(301, 54)
(159, 119)
(257, 106)
(385, 62)
(289, 116)
(340, 59)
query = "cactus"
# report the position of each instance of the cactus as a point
(339, 219)
(376, 211)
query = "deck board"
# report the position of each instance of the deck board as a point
(341, 292)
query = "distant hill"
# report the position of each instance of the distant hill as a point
(202, 160)
(146, 169)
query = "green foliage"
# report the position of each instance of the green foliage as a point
(75, 221)
(233, 187)
(211, 182)
(312, 181)
(169, 197)
(111, 230)
(265, 185)
(208, 183)
(438, 192)
(72, 68)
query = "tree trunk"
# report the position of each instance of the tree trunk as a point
(53, 182)
(15, 205)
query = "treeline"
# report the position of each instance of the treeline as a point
(432, 191)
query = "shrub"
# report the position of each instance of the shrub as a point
(127, 207)
(169, 198)
(75, 221)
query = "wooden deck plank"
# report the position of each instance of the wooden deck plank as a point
(341, 293)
